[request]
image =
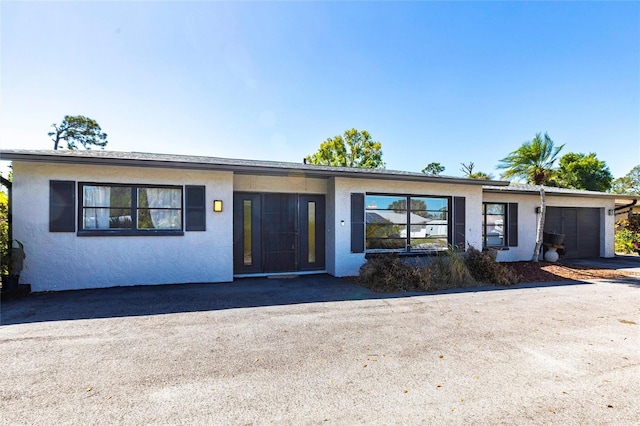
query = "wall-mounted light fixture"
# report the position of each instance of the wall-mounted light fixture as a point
(538, 210)
(342, 223)
(611, 212)
(217, 206)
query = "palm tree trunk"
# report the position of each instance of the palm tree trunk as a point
(543, 211)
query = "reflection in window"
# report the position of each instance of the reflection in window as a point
(493, 224)
(400, 223)
(246, 206)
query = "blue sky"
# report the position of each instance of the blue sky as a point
(434, 82)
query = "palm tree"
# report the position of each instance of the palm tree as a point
(533, 161)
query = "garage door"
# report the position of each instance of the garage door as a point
(581, 227)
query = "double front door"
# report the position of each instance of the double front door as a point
(278, 232)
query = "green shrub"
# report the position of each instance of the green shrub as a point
(632, 223)
(626, 241)
(5, 258)
(484, 268)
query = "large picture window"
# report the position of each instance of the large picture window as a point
(130, 209)
(406, 223)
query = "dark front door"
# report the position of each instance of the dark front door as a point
(276, 232)
(279, 233)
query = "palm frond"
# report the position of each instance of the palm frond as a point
(533, 161)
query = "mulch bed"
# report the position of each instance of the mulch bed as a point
(545, 272)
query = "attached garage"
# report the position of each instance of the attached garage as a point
(581, 226)
(586, 218)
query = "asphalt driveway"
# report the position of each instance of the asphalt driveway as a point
(317, 350)
(620, 262)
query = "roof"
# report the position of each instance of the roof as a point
(521, 188)
(240, 166)
(385, 217)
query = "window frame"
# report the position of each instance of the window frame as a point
(407, 224)
(134, 230)
(505, 226)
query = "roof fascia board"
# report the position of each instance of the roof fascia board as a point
(238, 168)
(561, 194)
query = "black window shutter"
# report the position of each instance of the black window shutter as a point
(459, 223)
(512, 220)
(195, 208)
(357, 223)
(62, 206)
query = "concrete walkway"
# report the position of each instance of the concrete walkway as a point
(317, 350)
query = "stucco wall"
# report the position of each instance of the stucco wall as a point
(63, 261)
(528, 221)
(347, 263)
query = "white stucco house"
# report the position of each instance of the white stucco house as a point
(93, 219)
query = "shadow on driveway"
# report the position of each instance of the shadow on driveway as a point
(620, 262)
(175, 298)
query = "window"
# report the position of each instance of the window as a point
(130, 209)
(499, 225)
(494, 220)
(311, 231)
(406, 223)
(246, 216)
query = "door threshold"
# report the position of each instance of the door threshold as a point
(278, 274)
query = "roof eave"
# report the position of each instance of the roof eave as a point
(562, 194)
(302, 170)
